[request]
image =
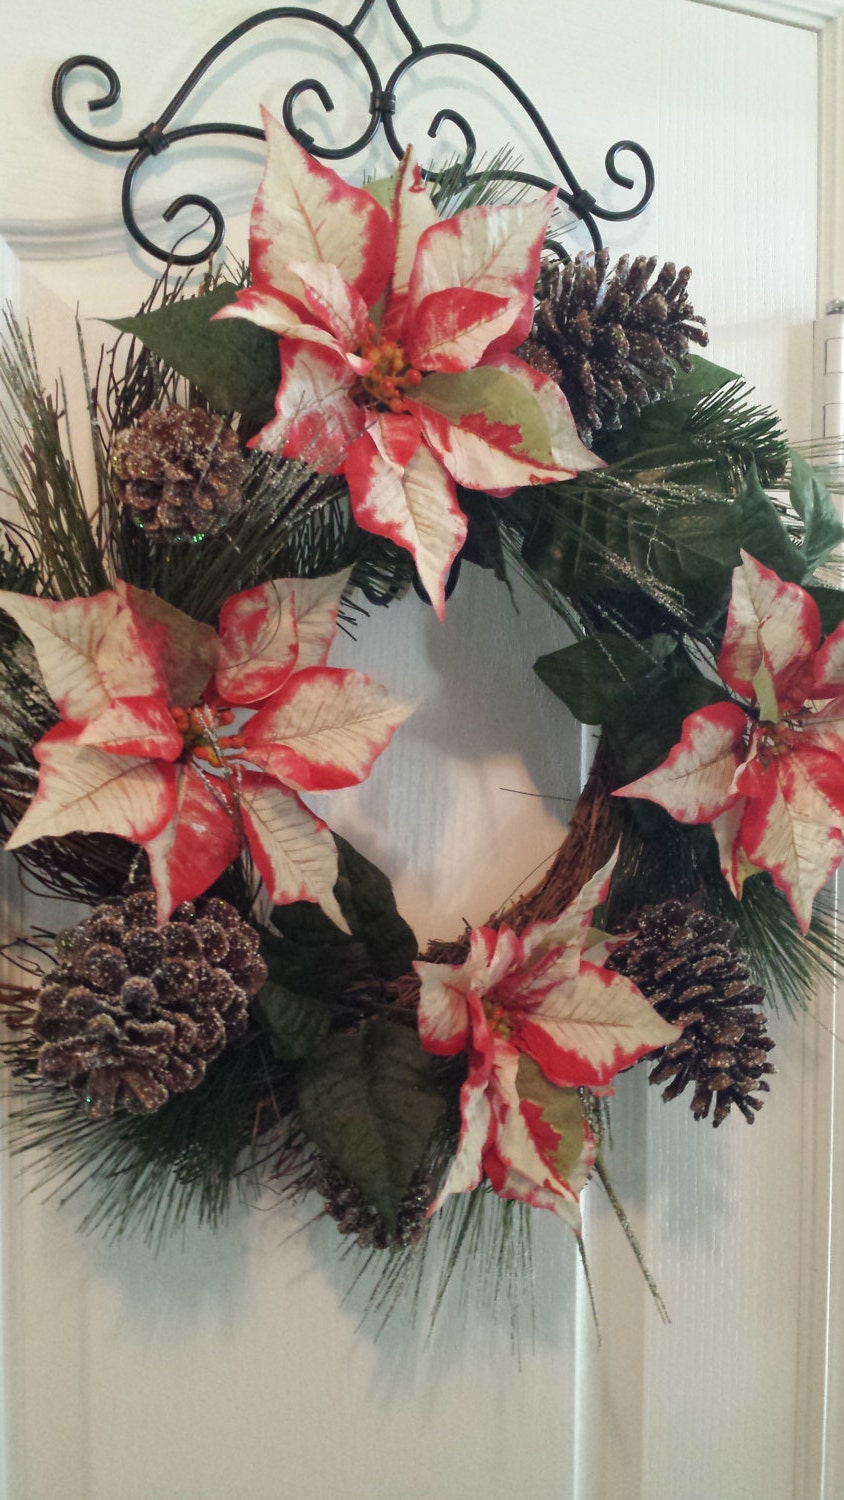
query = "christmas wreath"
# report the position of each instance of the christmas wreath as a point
(403, 380)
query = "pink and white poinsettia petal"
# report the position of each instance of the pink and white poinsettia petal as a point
(316, 418)
(317, 603)
(154, 646)
(415, 506)
(519, 1160)
(570, 928)
(258, 642)
(695, 783)
(451, 997)
(135, 726)
(324, 730)
(765, 612)
(293, 850)
(331, 301)
(588, 1030)
(567, 450)
(198, 843)
(83, 790)
(492, 249)
(451, 330)
(67, 638)
(481, 454)
(477, 1126)
(792, 830)
(829, 666)
(735, 866)
(824, 729)
(413, 213)
(306, 212)
(283, 314)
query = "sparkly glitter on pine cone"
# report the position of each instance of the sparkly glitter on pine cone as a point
(134, 1013)
(353, 1215)
(684, 962)
(611, 341)
(180, 471)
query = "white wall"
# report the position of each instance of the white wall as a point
(234, 1365)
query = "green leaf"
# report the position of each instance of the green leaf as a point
(762, 532)
(295, 1023)
(561, 1108)
(314, 957)
(822, 530)
(500, 397)
(591, 536)
(830, 602)
(600, 678)
(234, 363)
(370, 1102)
(383, 190)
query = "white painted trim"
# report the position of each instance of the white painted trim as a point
(812, 15)
(831, 165)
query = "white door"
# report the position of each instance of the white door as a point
(234, 1365)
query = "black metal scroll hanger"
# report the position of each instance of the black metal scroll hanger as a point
(157, 136)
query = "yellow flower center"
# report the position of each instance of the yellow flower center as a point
(390, 376)
(199, 728)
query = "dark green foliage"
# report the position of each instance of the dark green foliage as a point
(234, 363)
(371, 1102)
(311, 956)
(295, 1023)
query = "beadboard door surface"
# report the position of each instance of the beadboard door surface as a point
(243, 1364)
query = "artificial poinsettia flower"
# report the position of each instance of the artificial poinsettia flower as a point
(398, 328)
(539, 1022)
(196, 743)
(767, 773)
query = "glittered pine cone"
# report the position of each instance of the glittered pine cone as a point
(134, 1013)
(346, 1205)
(685, 963)
(611, 341)
(179, 471)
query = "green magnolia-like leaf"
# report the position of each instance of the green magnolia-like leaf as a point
(234, 362)
(370, 1102)
(314, 957)
(561, 1108)
(600, 678)
(762, 532)
(295, 1023)
(502, 398)
(822, 530)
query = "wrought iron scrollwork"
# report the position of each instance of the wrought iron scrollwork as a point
(160, 134)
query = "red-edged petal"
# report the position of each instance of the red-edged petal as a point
(735, 866)
(490, 249)
(305, 212)
(81, 790)
(829, 665)
(568, 453)
(781, 618)
(452, 330)
(135, 726)
(324, 729)
(156, 648)
(586, 1031)
(695, 783)
(413, 213)
(258, 642)
(67, 638)
(199, 842)
(524, 1159)
(336, 305)
(477, 1126)
(316, 418)
(415, 506)
(443, 1013)
(567, 932)
(317, 601)
(791, 829)
(285, 315)
(484, 452)
(293, 850)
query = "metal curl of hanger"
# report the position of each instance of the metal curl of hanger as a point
(381, 107)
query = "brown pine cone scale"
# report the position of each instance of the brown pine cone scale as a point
(179, 471)
(134, 1013)
(685, 963)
